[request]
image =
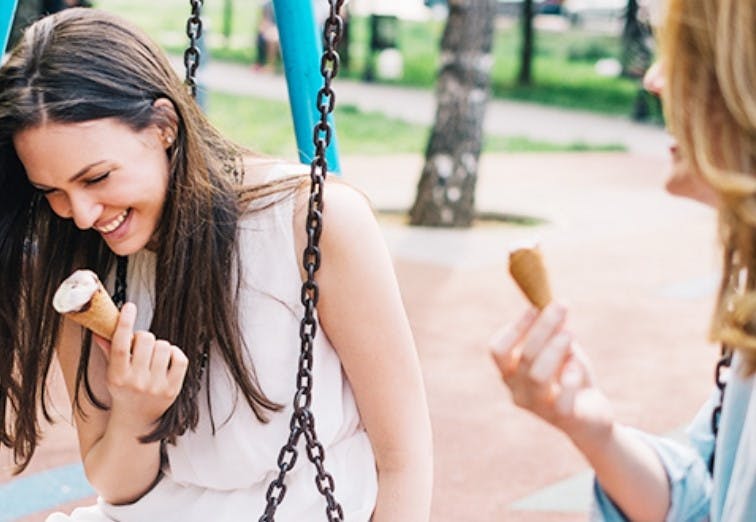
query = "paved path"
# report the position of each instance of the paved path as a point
(505, 118)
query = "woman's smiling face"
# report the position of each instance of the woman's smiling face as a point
(102, 174)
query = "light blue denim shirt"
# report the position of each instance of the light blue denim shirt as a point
(730, 496)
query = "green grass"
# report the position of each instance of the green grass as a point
(265, 126)
(563, 63)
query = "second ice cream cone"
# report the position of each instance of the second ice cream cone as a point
(529, 272)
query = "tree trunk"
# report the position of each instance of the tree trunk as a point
(446, 191)
(636, 52)
(525, 77)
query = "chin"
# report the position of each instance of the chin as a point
(125, 248)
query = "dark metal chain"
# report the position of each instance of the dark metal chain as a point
(302, 420)
(721, 382)
(119, 295)
(192, 53)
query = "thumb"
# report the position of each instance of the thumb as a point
(103, 343)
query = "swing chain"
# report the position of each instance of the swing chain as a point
(302, 419)
(720, 380)
(192, 53)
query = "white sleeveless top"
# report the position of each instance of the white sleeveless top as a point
(224, 477)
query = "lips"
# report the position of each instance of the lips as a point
(113, 224)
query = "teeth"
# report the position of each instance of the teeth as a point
(106, 229)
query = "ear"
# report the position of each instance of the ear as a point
(166, 121)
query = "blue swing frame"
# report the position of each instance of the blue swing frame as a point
(7, 10)
(301, 43)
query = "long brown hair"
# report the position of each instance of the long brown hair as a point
(84, 64)
(709, 52)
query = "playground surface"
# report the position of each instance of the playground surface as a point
(636, 267)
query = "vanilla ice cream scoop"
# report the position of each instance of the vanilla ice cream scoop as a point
(75, 293)
(83, 298)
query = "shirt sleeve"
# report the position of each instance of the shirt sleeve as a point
(687, 473)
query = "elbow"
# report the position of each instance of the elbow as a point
(112, 487)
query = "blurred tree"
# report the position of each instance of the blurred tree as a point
(446, 191)
(525, 76)
(636, 56)
(636, 49)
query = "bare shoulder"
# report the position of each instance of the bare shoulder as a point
(346, 214)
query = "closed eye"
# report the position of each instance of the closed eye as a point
(97, 179)
(45, 192)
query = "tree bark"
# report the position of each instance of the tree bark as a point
(636, 53)
(525, 77)
(446, 191)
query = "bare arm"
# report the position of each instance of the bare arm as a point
(135, 382)
(549, 375)
(362, 313)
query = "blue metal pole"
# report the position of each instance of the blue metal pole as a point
(7, 9)
(301, 47)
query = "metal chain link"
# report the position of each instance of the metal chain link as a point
(192, 53)
(721, 382)
(302, 420)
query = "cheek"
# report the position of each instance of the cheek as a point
(59, 205)
(685, 183)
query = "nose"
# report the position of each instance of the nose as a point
(82, 209)
(653, 80)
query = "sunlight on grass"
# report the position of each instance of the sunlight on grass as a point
(265, 126)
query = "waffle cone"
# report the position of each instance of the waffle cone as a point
(101, 316)
(528, 271)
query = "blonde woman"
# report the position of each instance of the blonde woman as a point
(708, 86)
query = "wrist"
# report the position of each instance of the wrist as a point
(128, 423)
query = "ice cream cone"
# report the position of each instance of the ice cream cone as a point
(527, 269)
(83, 299)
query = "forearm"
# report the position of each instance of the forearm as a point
(629, 471)
(404, 494)
(120, 468)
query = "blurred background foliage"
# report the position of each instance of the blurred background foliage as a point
(563, 69)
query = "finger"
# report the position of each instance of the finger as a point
(543, 328)
(141, 351)
(503, 341)
(120, 346)
(548, 362)
(178, 365)
(570, 380)
(161, 357)
(578, 353)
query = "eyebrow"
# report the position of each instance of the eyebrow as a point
(76, 176)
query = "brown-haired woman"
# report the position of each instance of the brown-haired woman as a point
(709, 92)
(181, 416)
